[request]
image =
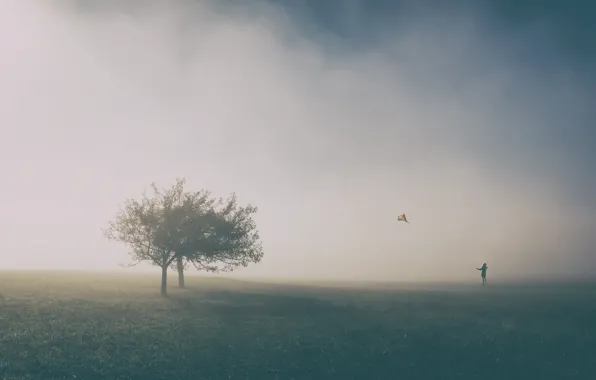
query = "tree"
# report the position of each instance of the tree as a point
(175, 228)
(224, 238)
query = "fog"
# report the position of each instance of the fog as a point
(480, 133)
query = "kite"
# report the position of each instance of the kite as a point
(402, 218)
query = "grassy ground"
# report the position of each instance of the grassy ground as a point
(91, 326)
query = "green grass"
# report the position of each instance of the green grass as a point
(97, 326)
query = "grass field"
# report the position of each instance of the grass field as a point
(97, 326)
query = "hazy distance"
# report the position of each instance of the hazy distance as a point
(476, 123)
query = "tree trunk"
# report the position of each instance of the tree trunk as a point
(180, 266)
(164, 281)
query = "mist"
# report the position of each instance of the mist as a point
(479, 132)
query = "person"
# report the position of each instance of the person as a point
(483, 269)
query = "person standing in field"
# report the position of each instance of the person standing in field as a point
(483, 269)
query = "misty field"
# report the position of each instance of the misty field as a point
(97, 326)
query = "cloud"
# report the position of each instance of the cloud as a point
(437, 117)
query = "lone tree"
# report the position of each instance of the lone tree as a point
(173, 228)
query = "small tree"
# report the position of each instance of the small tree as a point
(174, 228)
(227, 239)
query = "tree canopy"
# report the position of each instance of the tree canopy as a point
(175, 228)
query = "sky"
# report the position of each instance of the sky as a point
(476, 119)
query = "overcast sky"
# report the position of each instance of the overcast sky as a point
(332, 117)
